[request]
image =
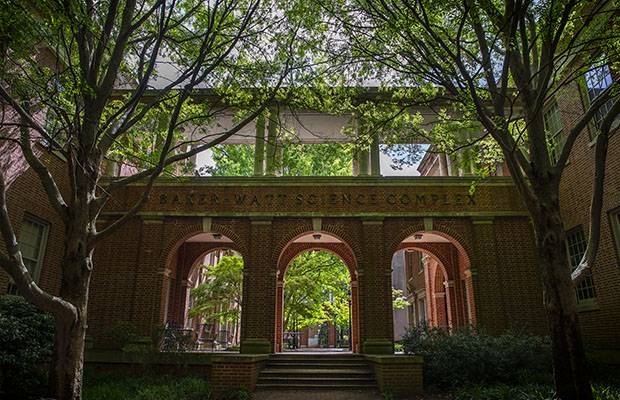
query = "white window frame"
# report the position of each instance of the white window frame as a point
(614, 221)
(42, 246)
(556, 136)
(590, 77)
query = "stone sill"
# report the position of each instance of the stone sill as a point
(588, 305)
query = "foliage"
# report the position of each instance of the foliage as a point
(219, 298)
(453, 359)
(399, 300)
(527, 392)
(236, 394)
(316, 290)
(26, 340)
(114, 386)
(331, 159)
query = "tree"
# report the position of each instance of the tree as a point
(316, 290)
(95, 90)
(329, 159)
(499, 63)
(219, 298)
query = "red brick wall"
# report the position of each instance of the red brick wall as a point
(601, 325)
(26, 196)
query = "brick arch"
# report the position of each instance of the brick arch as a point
(441, 229)
(339, 249)
(438, 254)
(189, 230)
(290, 250)
(208, 248)
(330, 228)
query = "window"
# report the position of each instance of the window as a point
(553, 129)
(421, 262)
(614, 219)
(32, 242)
(422, 311)
(409, 257)
(576, 244)
(597, 80)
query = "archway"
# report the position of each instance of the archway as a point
(433, 271)
(204, 292)
(317, 242)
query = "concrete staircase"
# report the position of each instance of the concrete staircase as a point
(332, 371)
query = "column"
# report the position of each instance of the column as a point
(375, 159)
(258, 317)
(259, 146)
(363, 161)
(149, 308)
(375, 292)
(486, 279)
(271, 148)
(443, 164)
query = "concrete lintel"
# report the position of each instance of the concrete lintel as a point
(482, 220)
(378, 220)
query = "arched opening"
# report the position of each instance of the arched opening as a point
(316, 297)
(203, 311)
(431, 279)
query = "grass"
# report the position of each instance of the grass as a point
(114, 386)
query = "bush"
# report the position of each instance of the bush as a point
(26, 344)
(527, 392)
(461, 357)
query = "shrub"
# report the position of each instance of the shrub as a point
(26, 344)
(453, 359)
(236, 394)
(527, 392)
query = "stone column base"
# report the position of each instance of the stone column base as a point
(378, 346)
(398, 375)
(255, 346)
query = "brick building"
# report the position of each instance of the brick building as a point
(597, 295)
(460, 258)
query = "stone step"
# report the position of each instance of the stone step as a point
(312, 364)
(333, 380)
(305, 356)
(328, 372)
(315, 386)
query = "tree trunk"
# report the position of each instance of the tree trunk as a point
(569, 360)
(68, 358)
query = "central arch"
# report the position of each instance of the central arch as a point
(323, 241)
